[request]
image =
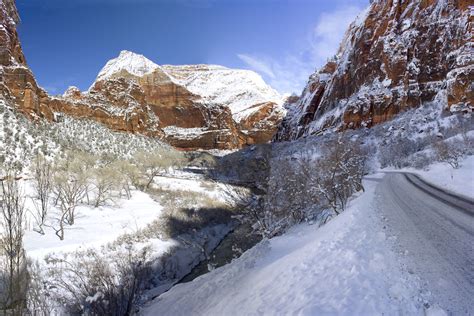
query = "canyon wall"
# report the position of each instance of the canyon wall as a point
(397, 55)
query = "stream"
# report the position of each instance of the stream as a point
(232, 246)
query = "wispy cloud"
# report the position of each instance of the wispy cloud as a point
(290, 73)
(258, 65)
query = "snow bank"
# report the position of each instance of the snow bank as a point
(460, 180)
(346, 267)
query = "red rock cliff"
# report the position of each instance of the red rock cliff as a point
(397, 55)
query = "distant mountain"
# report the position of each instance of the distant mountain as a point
(191, 107)
(397, 55)
(237, 89)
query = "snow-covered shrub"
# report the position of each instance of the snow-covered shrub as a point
(289, 197)
(304, 184)
(90, 283)
(340, 171)
(421, 160)
(94, 138)
(397, 151)
(38, 299)
(449, 152)
(21, 139)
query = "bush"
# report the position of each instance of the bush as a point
(90, 283)
(421, 160)
(153, 164)
(395, 153)
(299, 187)
(450, 153)
(341, 169)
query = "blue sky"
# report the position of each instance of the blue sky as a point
(67, 42)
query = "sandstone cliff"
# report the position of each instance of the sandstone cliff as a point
(191, 107)
(196, 106)
(396, 55)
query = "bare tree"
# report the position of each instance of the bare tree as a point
(70, 185)
(14, 274)
(341, 169)
(153, 164)
(106, 181)
(449, 153)
(42, 183)
(129, 175)
(71, 190)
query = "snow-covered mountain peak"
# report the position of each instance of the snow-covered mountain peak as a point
(133, 63)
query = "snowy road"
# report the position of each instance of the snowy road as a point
(435, 231)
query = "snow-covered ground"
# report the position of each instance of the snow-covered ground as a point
(95, 227)
(459, 180)
(345, 267)
(202, 187)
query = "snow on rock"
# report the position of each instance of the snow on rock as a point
(397, 55)
(343, 268)
(237, 89)
(135, 64)
(195, 106)
(234, 88)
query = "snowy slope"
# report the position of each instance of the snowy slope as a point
(235, 88)
(345, 267)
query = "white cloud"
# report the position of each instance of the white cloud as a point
(290, 73)
(258, 65)
(330, 30)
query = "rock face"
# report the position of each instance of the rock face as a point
(191, 107)
(17, 83)
(196, 106)
(397, 55)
